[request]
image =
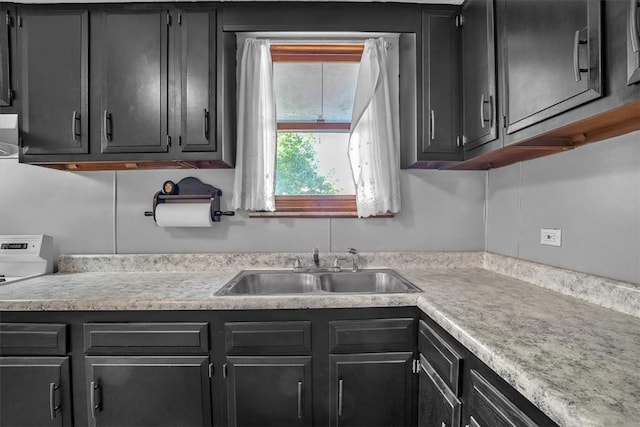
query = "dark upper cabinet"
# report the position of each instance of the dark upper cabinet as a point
(371, 389)
(197, 62)
(7, 19)
(440, 81)
(53, 64)
(132, 71)
(479, 89)
(148, 391)
(35, 391)
(551, 58)
(269, 391)
(633, 42)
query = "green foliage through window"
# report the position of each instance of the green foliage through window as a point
(297, 171)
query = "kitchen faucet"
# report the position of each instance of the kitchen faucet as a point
(354, 259)
(316, 258)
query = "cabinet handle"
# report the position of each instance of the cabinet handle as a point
(576, 55)
(433, 126)
(633, 25)
(95, 404)
(482, 118)
(299, 399)
(75, 119)
(339, 398)
(107, 125)
(205, 124)
(52, 400)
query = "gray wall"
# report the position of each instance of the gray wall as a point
(591, 193)
(102, 212)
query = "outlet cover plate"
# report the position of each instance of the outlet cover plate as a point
(551, 236)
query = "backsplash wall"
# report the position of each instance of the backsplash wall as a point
(103, 212)
(592, 194)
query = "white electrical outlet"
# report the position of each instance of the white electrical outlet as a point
(551, 236)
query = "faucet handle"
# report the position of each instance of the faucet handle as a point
(297, 264)
(353, 251)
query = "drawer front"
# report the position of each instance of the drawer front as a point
(33, 338)
(372, 335)
(441, 356)
(156, 338)
(489, 407)
(288, 337)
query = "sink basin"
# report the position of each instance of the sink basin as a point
(286, 282)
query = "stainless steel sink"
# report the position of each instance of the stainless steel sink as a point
(286, 282)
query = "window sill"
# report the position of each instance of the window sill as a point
(314, 207)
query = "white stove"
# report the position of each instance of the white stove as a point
(25, 256)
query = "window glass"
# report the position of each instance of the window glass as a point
(313, 163)
(309, 91)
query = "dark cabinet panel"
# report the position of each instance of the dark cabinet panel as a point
(552, 58)
(371, 335)
(442, 358)
(437, 405)
(265, 391)
(372, 389)
(148, 391)
(198, 81)
(264, 338)
(7, 18)
(488, 407)
(440, 112)
(479, 95)
(33, 338)
(132, 69)
(145, 338)
(633, 42)
(35, 391)
(53, 49)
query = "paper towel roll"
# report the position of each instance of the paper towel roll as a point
(183, 215)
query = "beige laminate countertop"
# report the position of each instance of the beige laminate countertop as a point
(577, 361)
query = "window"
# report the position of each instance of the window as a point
(314, 87)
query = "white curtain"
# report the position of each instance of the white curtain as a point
(374, 141)
(254, 184)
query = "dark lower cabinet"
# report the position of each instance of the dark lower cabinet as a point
(371, 389)
(148, 391)
(53, 53)
(633, 42)
(437, 405)
(488, 407)
(35, 391)
(269, 391)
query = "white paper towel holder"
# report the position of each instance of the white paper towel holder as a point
(190, 190)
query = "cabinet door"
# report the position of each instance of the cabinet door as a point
(372, 389)
(53, 46)
(265, 391)
(133, 73)
(479, 106)
(437, 404)
(198, 81)
(440, 111)
(7, 15)
(488, 407)
(35, 391)
(552, 58)
(633, 42)
(148, 391)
